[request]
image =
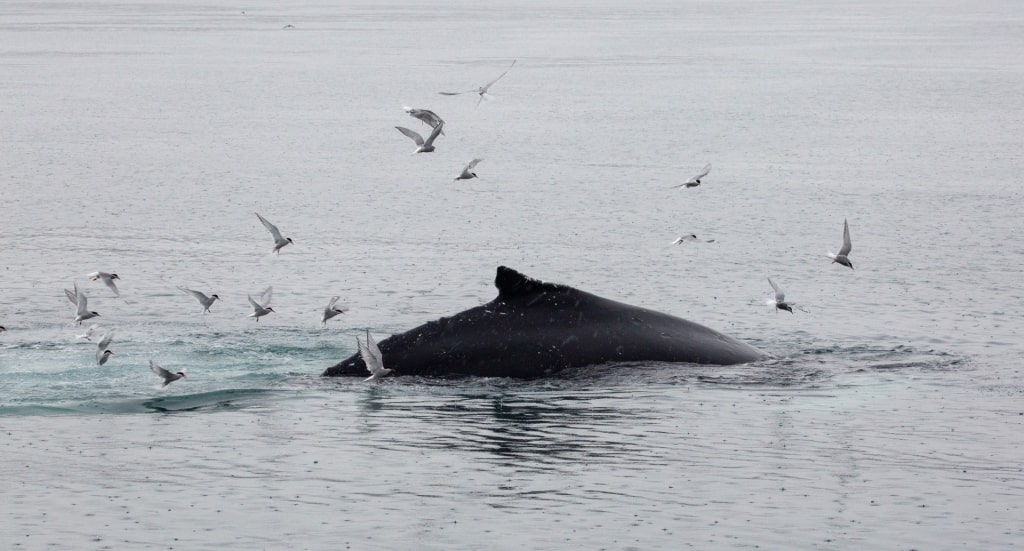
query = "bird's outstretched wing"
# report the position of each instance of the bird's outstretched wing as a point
(434, 135)
(412, 134)
(103, 344)
(270, 227)
(847, 244)
(780, 295)
(72, 296)
(159, 370)
(484, 88)
(703, 172)
(201, 297)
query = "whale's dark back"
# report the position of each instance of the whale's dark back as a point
(533, 329)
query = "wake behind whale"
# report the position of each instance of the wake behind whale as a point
(533, 329)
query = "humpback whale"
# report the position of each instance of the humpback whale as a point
(533, 329)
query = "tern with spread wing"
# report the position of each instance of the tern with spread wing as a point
(261, 308)
(93, 329)
(79, 299)
(102, 352)
(482, 91)
(422, 146)
(426, 116)
(167, 376)
(844, 251)
(373, 359)
(279, 241)
(690, 237)
(205, 301)
(330, 311)
(779, 302)
(108, 280)
(467, 173)
(695, 181)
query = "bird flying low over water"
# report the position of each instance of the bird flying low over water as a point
(108, 280)
(426, 116)
(686, 238)
(93, 329)
(695, 181)
(482, 91)
(262, 307)
(102, 351)
(167, 376)
(205, 301)
(422, 146)
(844, 251)
(467, 173)
(278, 240)
(373, 359)
(779, 302)
(79, 299)
(330, 311)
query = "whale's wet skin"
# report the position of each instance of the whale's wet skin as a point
(140, 137)
(533, 329)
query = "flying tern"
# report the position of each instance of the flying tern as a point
(844, 251)
(279, 241)
(482, 91)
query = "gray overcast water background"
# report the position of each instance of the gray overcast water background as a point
(139, 138)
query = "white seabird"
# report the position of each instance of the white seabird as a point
(426, 116)
(79, 299)
(261, 308)
(779, 302)
(467, 173)
(330, 311)
(422, 146)
(167, 376)
(108, 280)
(278, 240)
(482, 91)
(373, 359)
(695, 181)
(205, 301)
(842, 257)
(102, 352)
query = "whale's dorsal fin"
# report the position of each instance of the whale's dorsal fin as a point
(512, 284)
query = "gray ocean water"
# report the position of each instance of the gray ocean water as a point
(139, 137)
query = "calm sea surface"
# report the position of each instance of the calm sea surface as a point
(139, 137)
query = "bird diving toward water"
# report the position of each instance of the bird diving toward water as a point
(167, 376)
(102, 351)
(844, 251)
(278, 240)
(422, 146)
(261, 308)
(373, 359)
(330, 311)
(467, 173)
(482, 91)
(79, 299)
(695, 181)
(205, 301)
(426, 116)
(779, 302)
(108, 280)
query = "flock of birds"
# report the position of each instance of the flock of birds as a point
(368, 349)
(779, 299)
(260, 304)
